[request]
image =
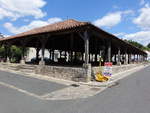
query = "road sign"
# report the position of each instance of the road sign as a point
(107, 69)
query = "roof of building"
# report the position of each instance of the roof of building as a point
(65, 26)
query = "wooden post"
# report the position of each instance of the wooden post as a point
(95, 57)
(134, 58)
(50, 54)
(89, 58)
(65, 56)
(7, 49)
(126, 60)
(53, 53)
(75, 57)
(43, 52)
(119, 57)
(71, 47)
(109, 51)
(23, 55)
(43, 44)
(129, 58)
(137, 58)
(60, 52)
(86, 65)
(82, 56)
(115, 59)
(86, 47)
(71, 56)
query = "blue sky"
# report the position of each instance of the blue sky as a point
(127, 19)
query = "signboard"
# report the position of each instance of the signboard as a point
(107, 69)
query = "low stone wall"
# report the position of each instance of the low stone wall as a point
(68, 73)
(115, 69)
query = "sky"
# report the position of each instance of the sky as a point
(127, 19)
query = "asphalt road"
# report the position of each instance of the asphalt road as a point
(130, 95)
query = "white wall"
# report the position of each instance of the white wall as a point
(32, 54)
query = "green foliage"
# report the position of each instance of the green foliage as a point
(148, 45)
(14, 54)
(2, 51)
(138, 45)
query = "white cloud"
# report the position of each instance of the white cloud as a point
(142, 37)
(120, 35)
(20, 8)
(143, 20)
(111, 19)
(115, 7)
(142, 2)
(34, 24)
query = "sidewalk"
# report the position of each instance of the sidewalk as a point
(116, 77)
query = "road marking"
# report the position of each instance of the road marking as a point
(21, 90)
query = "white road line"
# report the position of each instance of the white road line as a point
(21, 90)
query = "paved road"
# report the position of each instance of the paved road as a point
(32, 85)
(131, 95)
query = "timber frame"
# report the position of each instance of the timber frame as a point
(72, 36)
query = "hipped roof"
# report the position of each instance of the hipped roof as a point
(64, 26)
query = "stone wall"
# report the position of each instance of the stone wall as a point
(68, 73)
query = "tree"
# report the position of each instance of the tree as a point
(2, 51)
(138, 45)
(15, 53)
(148, 45)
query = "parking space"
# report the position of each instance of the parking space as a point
(31, 85)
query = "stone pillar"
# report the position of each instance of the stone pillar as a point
(88, 73)
(141, 58)
(136, 58)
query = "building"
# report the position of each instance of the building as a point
(79, 44)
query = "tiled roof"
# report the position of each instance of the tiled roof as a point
(68, 24)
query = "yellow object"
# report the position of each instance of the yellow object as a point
(99, 77)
